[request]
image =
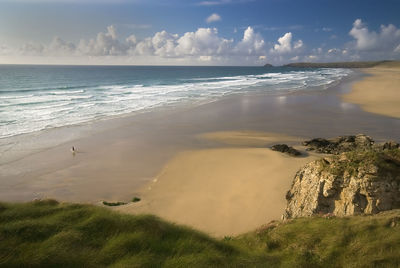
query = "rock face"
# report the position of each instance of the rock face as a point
(347, 184)
(340, 144)
(283, 148)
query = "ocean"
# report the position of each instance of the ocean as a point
(33, 98)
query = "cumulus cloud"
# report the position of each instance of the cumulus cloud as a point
(213, 18)
(202, 45)
(105, 44)
(207, 46)
(387, 39)
(205, 41)
(252, 43)
(285, 45)
(59, 46)
(32, 49)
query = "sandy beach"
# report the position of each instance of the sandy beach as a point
(207, 166)
(380, 92)
(223, 191)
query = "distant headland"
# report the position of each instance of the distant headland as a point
(347, 64)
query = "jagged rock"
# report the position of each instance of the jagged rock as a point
(283, 148)
(340, 144)
(346, 184)
(390, 145)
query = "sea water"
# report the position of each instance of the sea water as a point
(33, 98)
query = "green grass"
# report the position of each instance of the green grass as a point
(113, 204)
(387, 161)
(135, 199)
(49, 234)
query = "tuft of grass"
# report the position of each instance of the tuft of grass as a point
(113, 204)
(135, 199)
(48, 233)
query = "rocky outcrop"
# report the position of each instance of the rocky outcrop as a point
(340, 144)
(360, 181)
(284, 148)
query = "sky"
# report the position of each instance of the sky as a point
(197, 32)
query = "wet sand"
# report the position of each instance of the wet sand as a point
(380, 92)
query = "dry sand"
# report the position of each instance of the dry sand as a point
(380, 92)
(222, 191)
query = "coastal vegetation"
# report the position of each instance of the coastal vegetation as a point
(49, 233)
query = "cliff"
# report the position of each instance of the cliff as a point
(365, 179)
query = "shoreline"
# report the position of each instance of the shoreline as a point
(118, 158)
(384, 101)
(61, 135)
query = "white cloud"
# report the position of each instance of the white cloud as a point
(333, 50)
(365, 40)
(32, 49)
(131, 39)
(222, 2)
(213, 18)
(104, 44)
(214, 3)
(397, 49)
(205, 41)
(59, 46)
(298, 44)
(285, 46)
(251, 44)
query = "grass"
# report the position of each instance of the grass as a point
(50, 234)
(135, 199)
(113, 204)
(387, 161)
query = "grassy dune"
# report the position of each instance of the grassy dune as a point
(46, 233)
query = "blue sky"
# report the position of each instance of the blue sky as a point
(212, 32)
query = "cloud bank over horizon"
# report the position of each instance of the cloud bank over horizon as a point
(205, 46)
